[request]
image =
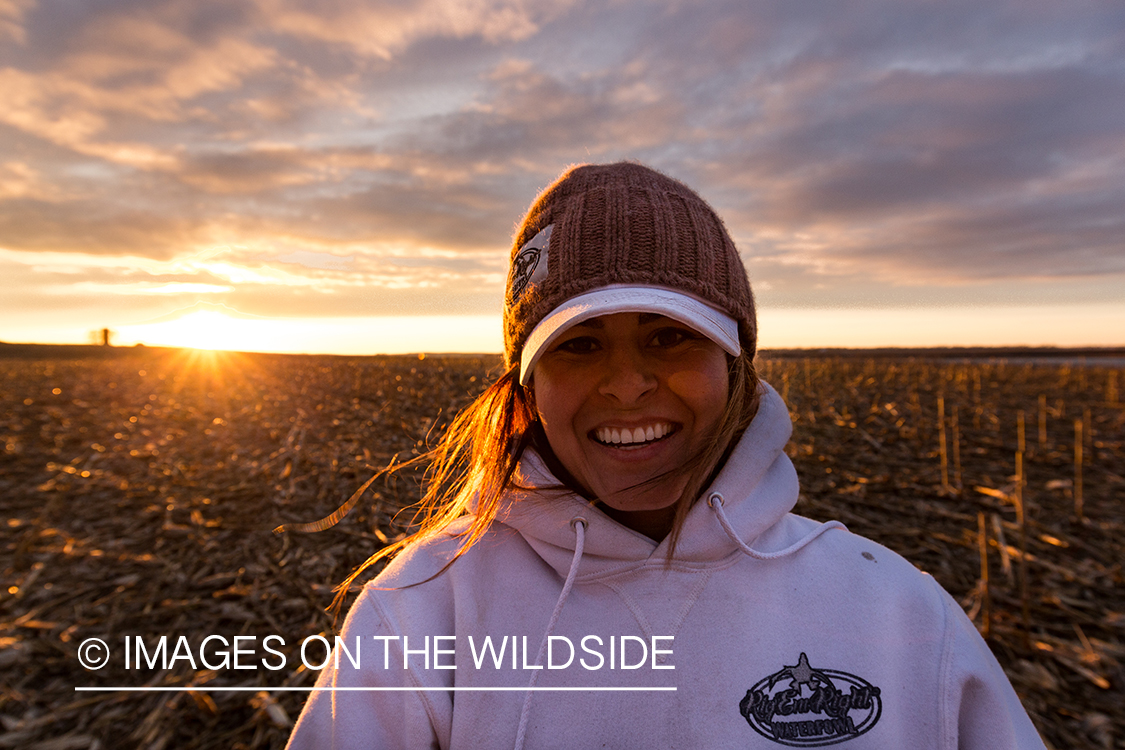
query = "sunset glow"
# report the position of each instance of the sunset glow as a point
(197, 330)
(326, 177)
(208, 329)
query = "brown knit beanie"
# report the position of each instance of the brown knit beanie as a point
(621, 224)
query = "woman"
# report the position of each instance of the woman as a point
(610, 560)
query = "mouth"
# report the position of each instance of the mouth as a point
(624, 437)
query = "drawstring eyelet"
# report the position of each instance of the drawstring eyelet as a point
(579, 520)
(715, 500)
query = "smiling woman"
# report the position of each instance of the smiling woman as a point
(626, 479)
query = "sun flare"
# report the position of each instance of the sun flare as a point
(202, 329)
(219, 331)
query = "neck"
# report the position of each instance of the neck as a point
(655, 524)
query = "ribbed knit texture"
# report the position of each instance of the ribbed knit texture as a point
(627, 224)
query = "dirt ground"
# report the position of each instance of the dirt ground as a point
(140, 489)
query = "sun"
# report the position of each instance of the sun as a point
(202, 329)
(225, 329)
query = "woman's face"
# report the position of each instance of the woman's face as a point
(626, 397)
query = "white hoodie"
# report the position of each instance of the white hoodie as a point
(766, 630)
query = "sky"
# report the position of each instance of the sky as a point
(345, 177)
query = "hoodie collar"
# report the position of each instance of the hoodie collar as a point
(758, 485)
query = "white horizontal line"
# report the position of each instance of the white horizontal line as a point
(268, 689)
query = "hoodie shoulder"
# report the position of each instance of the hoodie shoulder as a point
(868, 568)
(424, 559)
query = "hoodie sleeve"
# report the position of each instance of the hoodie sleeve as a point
(980, 710)
(352, 719)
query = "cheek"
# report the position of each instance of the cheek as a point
(555, 404)
(705, 389)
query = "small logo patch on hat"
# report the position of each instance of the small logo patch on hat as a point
(530, 264)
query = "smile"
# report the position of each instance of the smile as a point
(634, 436)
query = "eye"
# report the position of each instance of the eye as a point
(669, 337)
(578, 345)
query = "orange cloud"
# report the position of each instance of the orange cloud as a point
(383, 31)
(11, 19)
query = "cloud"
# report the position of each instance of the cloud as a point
(254, 169)
(91, 226)
(526, 111)
(146, 288)
(11, 19)
(384, 30)
(78, 105)
(916, 139)
(19, 179)
(962, 176)
(378, 155)
(899, 143)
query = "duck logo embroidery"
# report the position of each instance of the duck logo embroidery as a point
(801, 706)
(530, 264)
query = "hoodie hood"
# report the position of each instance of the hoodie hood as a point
(845, 628)
(758, 486)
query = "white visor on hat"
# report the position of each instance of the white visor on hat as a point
(618, 298)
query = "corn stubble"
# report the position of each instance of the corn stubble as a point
(141, 489)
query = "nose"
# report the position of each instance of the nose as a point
(628, 377)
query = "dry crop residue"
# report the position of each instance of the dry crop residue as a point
(141, 489)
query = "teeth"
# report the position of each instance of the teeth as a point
(626, 436)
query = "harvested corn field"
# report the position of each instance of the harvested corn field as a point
(141, 487)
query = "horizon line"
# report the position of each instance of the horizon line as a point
(1076, 350)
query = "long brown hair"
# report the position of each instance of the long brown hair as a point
(475, 461)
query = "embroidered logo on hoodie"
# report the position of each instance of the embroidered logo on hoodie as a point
(802, 706)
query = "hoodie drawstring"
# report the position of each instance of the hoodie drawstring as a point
(579, 525)
(715, 500)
